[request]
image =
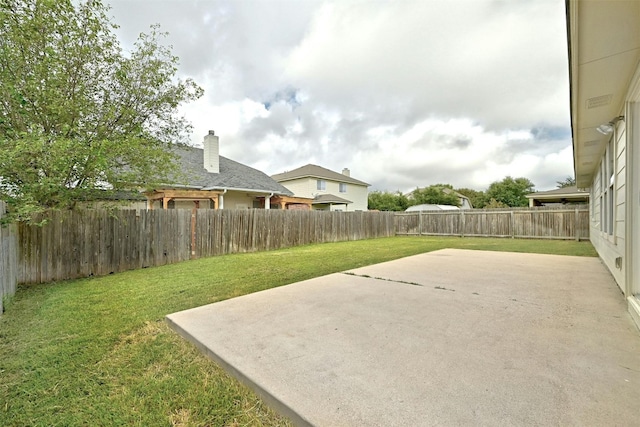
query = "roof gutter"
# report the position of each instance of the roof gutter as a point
(247, 190)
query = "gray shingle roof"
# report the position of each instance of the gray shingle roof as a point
(233, 175)
(329, 198)
(315, 171)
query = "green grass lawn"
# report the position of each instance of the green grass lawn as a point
(97, 351)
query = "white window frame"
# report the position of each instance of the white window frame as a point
(607, 186)
(321, 184)
(343, 187)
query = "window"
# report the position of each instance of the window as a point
(607, 196)
(343, 187)
(321, 184)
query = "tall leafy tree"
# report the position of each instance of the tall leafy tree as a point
(567, 182)
(494, 204)
(387, 201)
(434, 194)
(510, 192)
(77, 113)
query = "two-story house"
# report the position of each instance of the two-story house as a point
(329, 190)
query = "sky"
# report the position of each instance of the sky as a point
(405, 94)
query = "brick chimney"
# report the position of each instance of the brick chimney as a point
(211, 153)
(346, 172)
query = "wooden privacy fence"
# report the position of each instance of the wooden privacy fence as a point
(83, 243)
(536, 223)
(8, 258)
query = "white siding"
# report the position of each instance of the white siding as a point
(182, 204)
(632, 177)
(232, 200)
(301, 187)
(610, 244)
(308, 187)
(359, 195)
(238, 200)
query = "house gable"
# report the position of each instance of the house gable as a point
(329, 189)
(232, 176)
(208, 180)
(317, 172)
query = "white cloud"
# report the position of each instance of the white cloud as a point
(403, 93)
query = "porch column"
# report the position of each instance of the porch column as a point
(165, 202)
(267, 202)
(221, 201)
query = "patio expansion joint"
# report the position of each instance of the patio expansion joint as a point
(404, 282)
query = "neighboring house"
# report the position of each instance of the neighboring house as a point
(604, 66)
(212, 181)
(559, 196)
(329, 190)
(429, 207)
(465, 202)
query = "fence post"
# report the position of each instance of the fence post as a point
(513, 224)
(462, 223)
(420, 223)
(8, 258)
(194, 210)
(576, 223)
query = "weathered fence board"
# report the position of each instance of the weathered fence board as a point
(568, 224)
(8, 259)
(230, 231)
(97, 242)
(84, 243)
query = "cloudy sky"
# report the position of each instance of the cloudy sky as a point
(404, 93)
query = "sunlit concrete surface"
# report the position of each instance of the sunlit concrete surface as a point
(452, 337)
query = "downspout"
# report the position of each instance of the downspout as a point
(221, 199)
(267, 201)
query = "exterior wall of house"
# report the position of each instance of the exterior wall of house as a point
(302, 187)
(138, 204)
(632, 150)
(181, 204)
(347, 207)
(188, 204)
(238, 200)
(608, 210)
(358, 194)
(232, 200)
(308, 187)
(615, 228)
(604, 56)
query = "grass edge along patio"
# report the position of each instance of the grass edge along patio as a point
(97, 350)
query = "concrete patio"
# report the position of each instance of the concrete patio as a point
(451, 337)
